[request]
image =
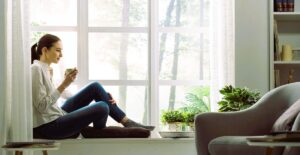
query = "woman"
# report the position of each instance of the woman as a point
(53, 122)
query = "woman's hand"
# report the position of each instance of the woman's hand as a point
(69, 78)
(112, 100)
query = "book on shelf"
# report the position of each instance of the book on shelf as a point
(277, 137)
(284, 5)
(278, 6)
(276, 42)
(277, 77)
(290, 5)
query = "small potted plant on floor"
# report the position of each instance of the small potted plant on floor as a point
(174, 119)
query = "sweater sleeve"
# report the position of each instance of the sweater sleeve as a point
(42, 100)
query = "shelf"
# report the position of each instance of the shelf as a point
(287, 16)
(287, 62)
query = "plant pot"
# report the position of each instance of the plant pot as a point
(191, 126)
(175, 126)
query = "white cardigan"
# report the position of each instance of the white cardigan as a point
(44, 95)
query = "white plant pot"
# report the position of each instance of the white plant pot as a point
(191, 127)
(176, 126)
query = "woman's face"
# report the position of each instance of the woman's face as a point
(54, 53)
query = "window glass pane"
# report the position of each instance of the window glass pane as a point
(53, 12)
(69, 59)
(193, 98)
(115, 56)
(192, 13)
(129, 99)
(118, 13)
(183, 57)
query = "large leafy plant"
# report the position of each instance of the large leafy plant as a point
(235, 99)
(197, 100)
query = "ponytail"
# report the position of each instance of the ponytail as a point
(34, 53)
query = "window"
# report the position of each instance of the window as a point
(151, 55)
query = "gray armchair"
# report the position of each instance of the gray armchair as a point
(225, 133)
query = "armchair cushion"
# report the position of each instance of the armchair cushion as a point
(285, 121)
(230, 145)
(115, 132)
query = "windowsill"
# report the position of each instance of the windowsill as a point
(154, 138)
(127, 146)
(126, 140)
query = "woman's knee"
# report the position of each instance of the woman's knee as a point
(96, 85)
(101, 107)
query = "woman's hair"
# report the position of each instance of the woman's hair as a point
(45, 41)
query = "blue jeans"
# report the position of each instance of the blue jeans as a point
(80, 113)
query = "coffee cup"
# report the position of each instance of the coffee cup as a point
(69, 70)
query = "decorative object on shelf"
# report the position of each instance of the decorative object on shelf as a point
(277, 77)
(287, 54)
(296, 54)
(236, 99)
(291, 76)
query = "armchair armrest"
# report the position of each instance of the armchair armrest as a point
(244, 123)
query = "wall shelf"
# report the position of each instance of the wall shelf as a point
(286, 62)
(287, 16)
(284, 30)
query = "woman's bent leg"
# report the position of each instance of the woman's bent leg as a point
(73, 122)
(93, 91)
(115, 112)
(81, 99)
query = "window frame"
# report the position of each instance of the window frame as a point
(153, 30)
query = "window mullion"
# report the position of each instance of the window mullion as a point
(153, 63)
(82, 22)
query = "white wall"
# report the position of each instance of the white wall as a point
(251, 45)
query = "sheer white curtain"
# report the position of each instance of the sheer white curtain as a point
(222, 48)
(16, 115)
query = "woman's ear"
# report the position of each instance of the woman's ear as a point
(44, 50)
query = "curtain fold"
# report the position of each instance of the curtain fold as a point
(21, 75)
(16, 102)
(222, 57)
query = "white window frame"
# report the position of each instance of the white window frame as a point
(153, 31)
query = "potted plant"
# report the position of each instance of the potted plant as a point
(235, 99)
(190, 119)
(174, 119)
